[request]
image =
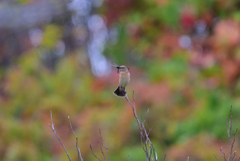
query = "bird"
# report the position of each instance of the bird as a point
(124, 79)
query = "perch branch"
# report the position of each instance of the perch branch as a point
(144, 135)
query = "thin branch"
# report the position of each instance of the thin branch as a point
(215, 156)
(133, 108)
(234, 155)
(229, 131)
(53, 129)
(229, 136)
(150, 150)
(128, 158)
(188, 158)
(222, 152)
(154, 152)
(144, 135)
(78, 149)
(102, 152)
(103, 144)
(93, 153)
(164, 157)
(145, 116)
(232, 145)
(138, 122)
(231, 121)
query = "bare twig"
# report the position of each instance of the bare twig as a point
(93, 153)
(78, 149)
(147, 145)
(229, 131)
(145, 116)
(155, 153)
(53, 129)
(232, 155)
(102, 151)
(133, 108)
(232, 145)
(139, 126)
(188, 158)
(215, 156)
(103, 145)
(164, 157)
(222, 152)
(128, 158)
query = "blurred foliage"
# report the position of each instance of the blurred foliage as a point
(188, 88)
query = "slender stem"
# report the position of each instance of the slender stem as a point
(53, 129)
(215, 156)
(78, 149)
(141, 128)
(103, 144)
(94, 154)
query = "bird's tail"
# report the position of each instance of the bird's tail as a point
(120, 92)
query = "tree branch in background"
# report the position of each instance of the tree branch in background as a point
(78, 149)
(232, 155)
(52, 127)
(101, 145)
(215, 157)
(144, 135)
(93, 153)
(164, 157)
(223, 154)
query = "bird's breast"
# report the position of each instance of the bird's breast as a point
(124, 78)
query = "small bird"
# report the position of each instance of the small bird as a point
(124, 79)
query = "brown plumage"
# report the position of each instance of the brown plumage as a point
(124, 79)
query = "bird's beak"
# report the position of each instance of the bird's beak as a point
(118, 69)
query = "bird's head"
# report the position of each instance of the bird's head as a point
(122, 68)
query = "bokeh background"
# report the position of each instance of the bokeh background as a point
(184, 59)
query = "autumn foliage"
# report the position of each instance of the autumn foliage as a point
(184, 60)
